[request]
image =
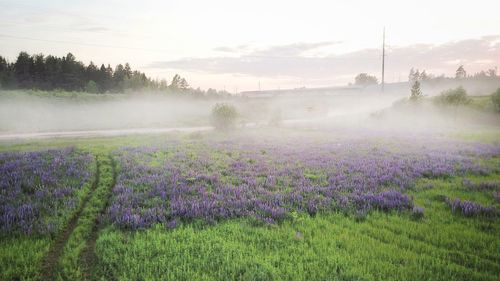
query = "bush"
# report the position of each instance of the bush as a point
(365, 80)
(224, 116)
(495, 97)
(91, 87)
(457, 96)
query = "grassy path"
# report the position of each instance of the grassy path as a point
(50, 261)
(89, 256)
(71, 255)
(76, 259)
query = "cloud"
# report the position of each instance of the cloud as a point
(291, 61)
(236, 49)
(94, 29)
(295, 49)
(291, 50)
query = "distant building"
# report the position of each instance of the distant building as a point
(310, 92)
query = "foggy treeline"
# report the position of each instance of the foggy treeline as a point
(66, 73)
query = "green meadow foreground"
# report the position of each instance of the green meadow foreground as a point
(251, 206)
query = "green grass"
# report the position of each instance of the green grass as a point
(70, 266)
(333, 246)
(21, 256)
(60, 95)
(441, 246)
(481, 102)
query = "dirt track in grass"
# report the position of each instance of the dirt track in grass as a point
(89, 257)
(50, 261)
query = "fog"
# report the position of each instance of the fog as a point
(368, 109)
(28, 113)
(23, 113)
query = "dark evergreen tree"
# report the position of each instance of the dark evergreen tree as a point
(127, 70)
(53, 72)
(109, 78)
(23, 70)
(416, 92)
(6, 75)
(92, 73)
(461, 73)
(102, 80)
(39, 72)
(118, 77)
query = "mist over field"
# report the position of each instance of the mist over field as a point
(358, 108)
(42, 114)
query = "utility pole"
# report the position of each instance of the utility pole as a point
(383, 60)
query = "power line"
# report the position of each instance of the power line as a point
(340, 57)
(83, 44)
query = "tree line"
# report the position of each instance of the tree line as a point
(457, 96)
(415, 75)
(460, 74)
(67, 73)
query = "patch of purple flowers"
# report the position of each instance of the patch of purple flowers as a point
(268, 180)
(470, 209)
(482, 186)
(38, 188)
(385, 201)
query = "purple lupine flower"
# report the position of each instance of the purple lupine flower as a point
(211, 180)
(469, 208)
(37, 188)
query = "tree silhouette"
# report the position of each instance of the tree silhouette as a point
(178, 83)
(364, 80)
(23, 70)
(416, 92)
(460, 73)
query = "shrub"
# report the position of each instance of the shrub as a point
(224, 116)
(495, 97)
(363, 79)
(91, 87)
(457, 96)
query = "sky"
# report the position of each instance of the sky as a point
(237, 45)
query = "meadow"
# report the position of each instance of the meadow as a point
(251, 205)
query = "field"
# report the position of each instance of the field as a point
(246, 141)
(247, 206)
(273, 205)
